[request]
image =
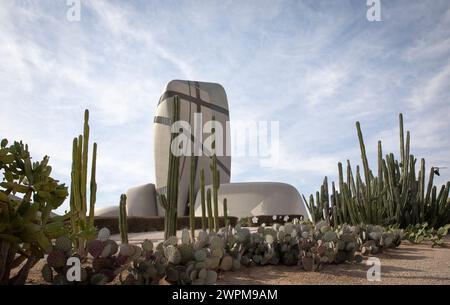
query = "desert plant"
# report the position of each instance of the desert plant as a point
(144, 265)
(101, 268)
(312, 246)
(210, 211)
(123, 224)
(192, 196)
(215, 174)
(28, 195)
(395, 196)
(225, 212)
(203, 199)
(83, 228)
(169, 200)
(422, 232)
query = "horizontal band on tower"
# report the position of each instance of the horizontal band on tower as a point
(168, 94)
(162, 120)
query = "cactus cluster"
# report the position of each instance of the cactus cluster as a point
(28, 195)
(374, 238)
(421, 232)
(200, 261)
(311, 246)
(102, 266)
(209, 202)
(144, 265)
(209, 198)
(82, 224)
(396, 196)
(169, 200)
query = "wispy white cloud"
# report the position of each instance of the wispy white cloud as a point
(432, 89)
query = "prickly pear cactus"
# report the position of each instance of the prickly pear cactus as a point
(102, 265)
(64, 244)
(103, 234)
(172, 254)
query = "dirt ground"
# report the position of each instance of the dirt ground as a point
(409, 264)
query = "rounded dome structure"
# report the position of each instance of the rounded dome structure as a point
(141, 201)
(258, 198)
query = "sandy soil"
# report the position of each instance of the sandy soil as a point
(408, 264)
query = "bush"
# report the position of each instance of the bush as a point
(27, 197)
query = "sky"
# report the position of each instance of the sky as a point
(317, 67)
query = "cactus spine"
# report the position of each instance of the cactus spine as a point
(123, 224)
(202, 198)
(78, 198)
(169, 200)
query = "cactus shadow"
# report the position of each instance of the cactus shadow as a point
(346, 270)
(408, 250)
(403, 256)
(422, 277)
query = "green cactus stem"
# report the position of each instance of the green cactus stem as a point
(169, 201)
(78, 198)
(93, 190)
(210, 213)
(192, 197)
(216, 180)
(84, 162)
(225, 212)
(123, 224)
(203, 199)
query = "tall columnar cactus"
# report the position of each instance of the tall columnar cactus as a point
(225, 212)
(192, 197)
(93, 193)
(216, 200)
(210, 212)
(123, 224)
(78, 197)
(84, 163)
(321, 209)
(216, 180)
(169, 201)
(203, 199)
(395, 196)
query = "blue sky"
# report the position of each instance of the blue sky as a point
(315, 66)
